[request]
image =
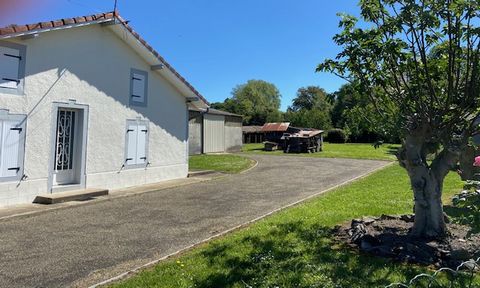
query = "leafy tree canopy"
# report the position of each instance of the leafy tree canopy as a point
(420, 59)
(257, 100)
(311, 97)
(310, 108)
(353, 112)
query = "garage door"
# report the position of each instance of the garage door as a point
(213, 133)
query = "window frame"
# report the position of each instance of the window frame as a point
(22, 118)
(147, 141)
(143, 103)
(21, 68)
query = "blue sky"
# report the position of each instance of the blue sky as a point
(218, 44)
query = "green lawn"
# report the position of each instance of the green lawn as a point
(331, 150)
(225, 163)
(294, 248)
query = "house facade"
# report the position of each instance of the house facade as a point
(87, 103)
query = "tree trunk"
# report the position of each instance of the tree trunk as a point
(427, 183)
(427, 188)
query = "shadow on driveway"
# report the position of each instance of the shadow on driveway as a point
(87, 244)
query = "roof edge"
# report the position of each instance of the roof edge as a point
(14, 31)
(159, 57)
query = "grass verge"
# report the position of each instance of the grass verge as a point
(294, 248)
(225, 163)
(332, 150)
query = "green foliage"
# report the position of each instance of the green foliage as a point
(466, 206)
(336, 136)
(344, 99)
(257, 100)
(228, 105)
(309, 98)
(295, 247)
(309, 119)
(418, 59)
(310, 108)
(221, 163)
(353, 112)
(333, 150)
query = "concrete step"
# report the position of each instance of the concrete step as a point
(77, 195)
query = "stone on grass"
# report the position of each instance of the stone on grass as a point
(388, 236)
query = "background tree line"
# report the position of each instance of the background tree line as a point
(347, 109)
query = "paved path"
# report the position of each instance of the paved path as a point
(87, 244)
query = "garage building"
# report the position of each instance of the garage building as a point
(214, 131)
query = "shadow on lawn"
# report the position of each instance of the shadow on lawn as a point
(295, 254)
(258, 149)
(392, 150)
(253, 149)
(466, 216)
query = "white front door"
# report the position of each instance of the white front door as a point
(66, 147)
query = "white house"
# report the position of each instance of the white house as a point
(87, 103)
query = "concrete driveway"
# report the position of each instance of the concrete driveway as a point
(87, 244)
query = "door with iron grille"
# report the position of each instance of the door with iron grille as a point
(65, 168)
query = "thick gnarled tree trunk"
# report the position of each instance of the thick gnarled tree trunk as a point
(427, 189)
(427, 183)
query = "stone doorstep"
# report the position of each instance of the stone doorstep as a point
(76, 195)
(39, 207)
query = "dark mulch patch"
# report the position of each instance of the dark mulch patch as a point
(388, 236)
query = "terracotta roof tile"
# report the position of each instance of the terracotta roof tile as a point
(34, 26)
(69, 21)
(57, 23)
(19, 29)
(14, 29)
(45, 25)
(80, 19)
(7, 30)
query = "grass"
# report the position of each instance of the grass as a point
(331, 150)
(294, 248)
(225, 163)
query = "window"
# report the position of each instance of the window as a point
(138, 87)
(136, 150)
(12, 145)
(12, 67)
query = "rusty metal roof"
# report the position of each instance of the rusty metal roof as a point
(252, 129)
(275, 127)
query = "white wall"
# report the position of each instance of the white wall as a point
(92, 65)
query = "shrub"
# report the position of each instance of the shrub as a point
(336, 136)
(467, 206)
